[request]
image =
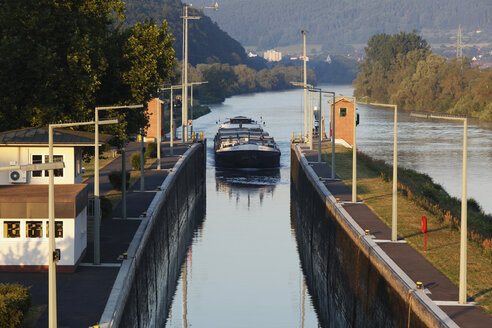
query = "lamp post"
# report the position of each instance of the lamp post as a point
(332, 135)
(52, 259)
(191, 103)
(171, 123)
(305, 85)
(394, 209)
(184, 107)
(97, 204)
(464, 204)
(159, 127)
(51, 210)
(394, 212)
(354, 152)
(319, 139)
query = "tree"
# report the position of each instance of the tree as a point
(51, 58)
(60, 59)
(140, 59)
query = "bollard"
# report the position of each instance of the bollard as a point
(201, 136)
(419, 285)
(292, 139)
(193, 136)
(367, 232)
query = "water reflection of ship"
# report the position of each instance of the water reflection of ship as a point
(240, 183)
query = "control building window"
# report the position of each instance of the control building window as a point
(343, 112)
(56, 158)
(58, 229)
(38, 159)
(34, 229)
(11, 229)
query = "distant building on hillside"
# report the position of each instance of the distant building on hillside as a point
(272, 55)
(250, 54)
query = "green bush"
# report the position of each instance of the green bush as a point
(115, 177)
(14, 303)
(135, 160)
(151, 150)
(106, 208)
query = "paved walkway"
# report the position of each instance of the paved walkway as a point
(82, 296)
(406, 257)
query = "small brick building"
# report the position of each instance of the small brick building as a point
(344, 121)
(154, 106)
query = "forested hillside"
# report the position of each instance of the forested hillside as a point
(271, 23)
(400, 69)
(207, 42)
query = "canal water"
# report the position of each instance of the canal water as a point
(243, 268)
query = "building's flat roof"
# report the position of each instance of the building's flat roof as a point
(31, 201)
(39, 137)
(38, 193)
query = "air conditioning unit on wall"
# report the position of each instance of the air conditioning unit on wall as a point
(17, 176)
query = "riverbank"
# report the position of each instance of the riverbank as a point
(419, 196)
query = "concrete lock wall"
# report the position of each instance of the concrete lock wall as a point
(352, 281)
(143, 291)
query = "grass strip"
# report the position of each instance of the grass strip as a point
(443, 239)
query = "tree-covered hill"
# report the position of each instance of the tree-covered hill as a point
(272, 23)
(400, 69)
(207, 42)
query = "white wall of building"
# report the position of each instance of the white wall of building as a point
(34, 251)
(23, 155)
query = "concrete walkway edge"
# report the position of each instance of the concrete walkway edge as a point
(121, 288)
(395, 276)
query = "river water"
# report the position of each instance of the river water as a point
(242, 268)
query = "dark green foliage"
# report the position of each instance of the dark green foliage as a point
(61, 59)
(116, 179)
(225, 80)
(400, 69)
(15, 301)
(151, 150)
(106, 208)
(341, 70)
(135, 160)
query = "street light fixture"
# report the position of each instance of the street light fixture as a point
(305, 86)
(184, 107)
(464, 204)
(51, 219)
(394, 211)
(191, 103)
(171, 124)
(51, 261)
(97, 201)
(354, 152)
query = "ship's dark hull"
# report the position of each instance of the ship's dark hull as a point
(247, 159)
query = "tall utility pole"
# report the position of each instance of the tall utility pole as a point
(459, 44)
(184, 106)
(304, 58)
